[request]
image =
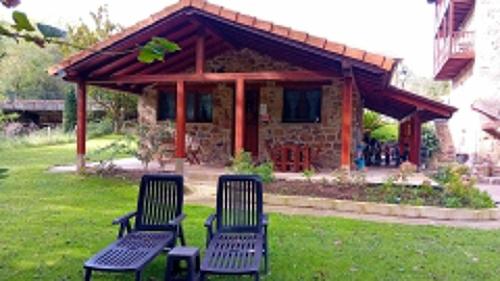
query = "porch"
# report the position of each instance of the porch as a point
(268, 86)
(203, 178)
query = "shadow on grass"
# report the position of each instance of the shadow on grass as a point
(3, 173)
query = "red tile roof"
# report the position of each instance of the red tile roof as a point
(383, 62)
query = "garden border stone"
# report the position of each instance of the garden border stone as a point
(383, 209)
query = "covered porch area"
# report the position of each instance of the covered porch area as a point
(243, 84)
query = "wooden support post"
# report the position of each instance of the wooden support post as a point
(81, 123)
(402, 127)
(180, 127)
(200, 54)
(345, 158)
(239, 130)
(416, 139)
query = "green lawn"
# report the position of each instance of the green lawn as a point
(49, 225)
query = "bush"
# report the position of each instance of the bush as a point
(242, 164)
(124, 146)
(386, 133)
(457, 193)
(153, 143)
(99, 128)
(308, 174)
(460, 190)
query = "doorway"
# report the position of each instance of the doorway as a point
(252, 102)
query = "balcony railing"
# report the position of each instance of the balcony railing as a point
(460, 45)
(441, 8)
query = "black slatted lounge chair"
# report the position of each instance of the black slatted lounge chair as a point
(157, 227)
(240, 238)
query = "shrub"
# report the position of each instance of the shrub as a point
(99, 128)
(430, 141)
(460, 190)
(391, 192)
(386, 133)
(308, 174)
(153, 140)
(242, 164)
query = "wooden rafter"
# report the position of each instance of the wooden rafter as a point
(130, 60)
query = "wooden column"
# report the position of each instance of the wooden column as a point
(81, 123)
(345, 157)
(180, 121)
(416, 139)
(200, 53)
(239, 130)
(401, 135)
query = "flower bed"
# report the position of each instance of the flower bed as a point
(389, 192)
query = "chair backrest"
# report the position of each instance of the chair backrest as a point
(160, 200)
(239, 203)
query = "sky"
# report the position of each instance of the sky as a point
(397, 28)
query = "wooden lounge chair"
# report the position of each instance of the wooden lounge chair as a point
(157, 227)
(240, 238)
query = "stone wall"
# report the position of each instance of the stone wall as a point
(216, 138)
(326, 134)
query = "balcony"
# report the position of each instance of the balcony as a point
(452, 54)
(458, 9)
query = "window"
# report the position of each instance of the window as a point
(198, 107)
(302, 105)
(166, 106)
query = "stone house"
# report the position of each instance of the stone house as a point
(467, 42)
(243, 84)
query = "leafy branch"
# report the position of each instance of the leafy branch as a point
(42, 34)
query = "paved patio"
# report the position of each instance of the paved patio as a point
(202, 179)
(373, 175)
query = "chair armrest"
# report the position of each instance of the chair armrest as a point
(210, 229)
(124, 222)
(125, 218)
(210, 220)
(177, 220)
(265, 220)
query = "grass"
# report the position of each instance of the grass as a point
(50, 224)
(37, 138)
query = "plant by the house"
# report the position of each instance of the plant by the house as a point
(242, 164)
(460, 190)
(308, 174)
(153, 140)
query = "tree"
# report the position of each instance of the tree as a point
(69, 114)
(372, 120)
(117, 104)
(42, 34)
(405, 78)
(24, 72)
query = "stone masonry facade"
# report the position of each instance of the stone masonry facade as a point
(216, 138)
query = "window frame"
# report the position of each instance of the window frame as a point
(196, 107)
(303, 92)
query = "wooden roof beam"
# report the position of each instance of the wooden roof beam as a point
(131, 58)
(220, 77)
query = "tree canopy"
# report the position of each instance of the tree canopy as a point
(117, 104)
(23, 69)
